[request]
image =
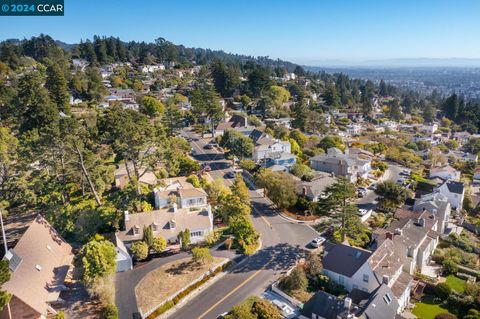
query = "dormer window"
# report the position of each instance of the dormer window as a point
(154, 226)
(136, 230)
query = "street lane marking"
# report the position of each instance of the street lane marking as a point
(235, 290)
(263, 217)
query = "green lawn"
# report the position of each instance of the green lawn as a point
(456, 283)
(427, 309)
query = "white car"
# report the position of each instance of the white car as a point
(317, 242)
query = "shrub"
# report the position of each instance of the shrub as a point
(193, 179)
(442, 290)
(265, 310)
(110, 312)
(60, 315)
(139, 250)
(102, 288)
(184, 237)
(297, 280)
(159, 244)
(247, 165)
(201, 255)
(445, 315)
(449, 267)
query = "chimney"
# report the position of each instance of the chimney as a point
(421, 222)
(347, 303)
(389, 235)
(127, 216)
(385, 279)
(174, 207)
(398, 232)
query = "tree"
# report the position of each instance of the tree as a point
(57, 86)
(302, 171)
(279, 186)
(152, 107)
(395, 111)
(139, 250)
(443, 290)
(451, 106)
(240, 190)
(331, 96)
(159, 244)
(110, 312)
(329, 142)
(244, 232)
(201, 255)
(217, 191)
(314, 265)
(391, 195)
(247, 164)
(472, 314)
(297, 280)
(231, 207)
(264, 309)
(206, 105)
(98, 258)
(4, 277)
(278, 95)
(237, 144)
(184, 238)
(148, 235)
(338, 204)
(429, 113)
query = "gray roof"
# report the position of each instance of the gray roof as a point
(382, 304)
(345, 260)
(455, 187)
(324, 305)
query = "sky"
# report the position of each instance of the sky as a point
(311, 32)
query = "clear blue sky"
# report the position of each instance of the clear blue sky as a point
(300, 31)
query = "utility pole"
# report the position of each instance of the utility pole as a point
(6, 249)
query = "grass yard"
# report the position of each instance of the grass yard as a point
(456, 283)
(168, 279)
(427, 309)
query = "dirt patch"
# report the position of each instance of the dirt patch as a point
(301, 217)
(168, 279)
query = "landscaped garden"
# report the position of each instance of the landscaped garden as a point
(428, 308)
(168, 279)
(456, 283)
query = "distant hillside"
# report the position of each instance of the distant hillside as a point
(110, 49)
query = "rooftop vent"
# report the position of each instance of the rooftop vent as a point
(38, 267)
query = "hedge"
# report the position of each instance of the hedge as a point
(175, 300)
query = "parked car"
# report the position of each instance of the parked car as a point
(208, 147)
(207, 168)
(317, 242)
(362, 192)
(222, 316)
(194, 152)
(230, 174)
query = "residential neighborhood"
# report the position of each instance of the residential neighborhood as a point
(143, 178)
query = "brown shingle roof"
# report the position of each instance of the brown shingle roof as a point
(45, 260)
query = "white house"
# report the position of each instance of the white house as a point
(454, 192)
(445, 172)
(181, 192)
(265, 146)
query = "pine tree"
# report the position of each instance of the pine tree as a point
(57, 86)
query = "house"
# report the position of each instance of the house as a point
(236, 122)
(285, 122)
(264, 146)
(414, 240)
(151, 68)
(462, 137)
(438, 205)
(354, 129)
(454, 192)
(445, 172)
(380, 304)
(340, 164)
(178, 191)
(476, 176)
(168, 223)
(314, 189)
(39, 263)
(284, 159)
(429, 128)
(121, 176)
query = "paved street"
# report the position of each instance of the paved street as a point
(281, 243)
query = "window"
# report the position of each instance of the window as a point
(154, 227)
(196, 233)
(135, 230)
(365, 278)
